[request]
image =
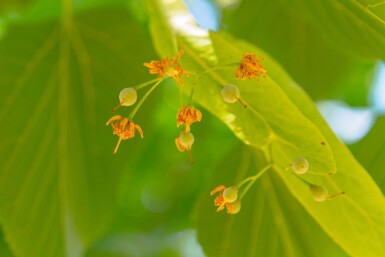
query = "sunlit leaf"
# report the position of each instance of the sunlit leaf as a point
(293, 129)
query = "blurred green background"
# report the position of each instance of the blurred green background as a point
(62, 192)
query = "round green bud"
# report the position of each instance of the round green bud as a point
(230, 194)
(300, 165)
(186, 139)
(128, 96)
(230, 93)
(320, 193)
(235, 207)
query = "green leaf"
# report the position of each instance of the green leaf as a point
(358, 26)
(59, 179)
(304, 48)
(363, 201)
(271, 222)
(283, 123)
(370, 152)
(4, 249)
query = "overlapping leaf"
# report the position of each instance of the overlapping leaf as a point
(305, 48)
(283, 122)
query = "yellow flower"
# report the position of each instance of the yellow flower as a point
(250, 67)
(188, 115)
(168, 67)
(228, 196)
(123, 128)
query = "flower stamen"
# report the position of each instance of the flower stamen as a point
(168, 68)
(250, 67)
(123, 128)
(188, 115)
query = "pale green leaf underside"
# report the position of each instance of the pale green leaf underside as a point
(284, 123)
(58, 180)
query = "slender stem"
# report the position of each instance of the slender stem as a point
(251, 180)
(132, 114)
(335, 195)
(142, 85)
(242, 102)
(319, 174)
(240, 184)
(117, 145)
(116, 107)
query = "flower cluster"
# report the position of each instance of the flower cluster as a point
(125, 128)
(250, 67)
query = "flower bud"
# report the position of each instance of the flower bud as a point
(300, 165)
(230, 194)
(320, 193)
(186, 139)
(128, 96)
(230, 93)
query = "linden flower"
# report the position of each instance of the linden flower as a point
(250, 67)
(123, 128)
(168, 67)
(188, 115)
(228, 196)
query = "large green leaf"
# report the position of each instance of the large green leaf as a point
(317, 63)
(58, 178)
(283, 123)
(355, 25)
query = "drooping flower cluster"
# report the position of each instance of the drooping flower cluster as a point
(250, 67)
